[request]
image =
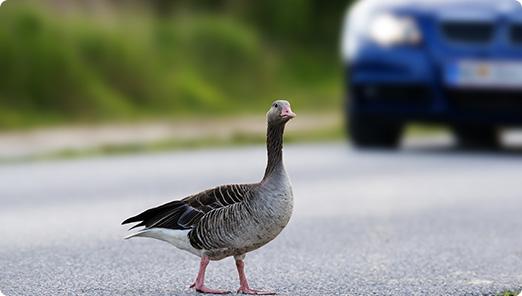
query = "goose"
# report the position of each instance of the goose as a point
(229, 220)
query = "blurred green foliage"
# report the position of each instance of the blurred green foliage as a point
(89, 61)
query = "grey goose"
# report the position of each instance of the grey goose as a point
(229, 220)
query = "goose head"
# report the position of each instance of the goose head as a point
(279, 113)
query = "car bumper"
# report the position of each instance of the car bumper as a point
(408, 84)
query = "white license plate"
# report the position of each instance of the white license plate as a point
(484, 74)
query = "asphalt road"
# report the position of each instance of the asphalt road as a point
(416, 222)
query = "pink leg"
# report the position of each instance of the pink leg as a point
(244, 288)
(199, 284)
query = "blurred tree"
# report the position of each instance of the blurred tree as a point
(164, 7)
(303, 21)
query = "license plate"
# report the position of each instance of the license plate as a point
(484, 74)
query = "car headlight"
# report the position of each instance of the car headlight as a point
(388, 30)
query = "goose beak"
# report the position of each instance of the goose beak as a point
(287, 113)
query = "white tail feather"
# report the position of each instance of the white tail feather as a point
(175, 237)
(139, 233)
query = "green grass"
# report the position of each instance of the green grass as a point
(508, 293)
(60, 68)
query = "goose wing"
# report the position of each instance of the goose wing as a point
(186, 213)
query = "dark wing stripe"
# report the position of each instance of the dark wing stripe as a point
(165, 217)
(225, 199)
(233, 195)
(199, 205)
(188, 217)
(240, 191)
(193, 220)
(219, 204)
(218, 196)
(233, 189)
(170, 221)
(153, 212)
(221, 196)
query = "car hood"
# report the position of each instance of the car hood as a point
(481, 8)
(446, 4)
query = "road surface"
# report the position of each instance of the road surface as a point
(415, 222)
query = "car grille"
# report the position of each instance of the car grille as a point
(409, 95)
(468, 32)
(515, 33)
(486, 100)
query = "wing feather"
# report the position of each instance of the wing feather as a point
(186, 213)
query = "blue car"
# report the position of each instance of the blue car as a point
(455, 62)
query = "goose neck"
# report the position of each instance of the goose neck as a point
(274, 146)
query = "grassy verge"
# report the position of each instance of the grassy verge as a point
(182, 136)
(235, 140)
